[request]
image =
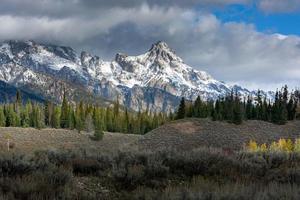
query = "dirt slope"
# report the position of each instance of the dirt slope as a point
(193, 133)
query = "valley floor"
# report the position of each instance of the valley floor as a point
(186, 134)
(29, 140)
(170, 162)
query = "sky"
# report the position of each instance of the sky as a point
(254, 43)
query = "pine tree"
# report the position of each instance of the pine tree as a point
(197, 107)
(55, 118)
(10, 116)
(71, 117)
(2, 117)
(276, 109)
(217, 114)
(98, 135)
(265, 110)
(181, 109)
(25, 117)
(259, 106)
(79, 117)
(109, 120)
(128, 128)
(116, 108)
(18, 98)
(64, 117)
(214, 115)
(37, 117)
(229, 107)
(237, 112)
(48, 110)
(249, 106)
(282, 107)
(98, 124)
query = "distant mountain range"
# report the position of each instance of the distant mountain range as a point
(153, 81)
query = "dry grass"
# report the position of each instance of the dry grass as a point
(184, 134)
(29, 140)
(188, 134)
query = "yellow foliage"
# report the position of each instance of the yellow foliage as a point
(297, 145)
(289, 146)
(274, 147)
(284, 145)
(263, 147)
(281, 144)
(252, 146)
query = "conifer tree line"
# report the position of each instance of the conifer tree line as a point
(232, 109)
(82, 117)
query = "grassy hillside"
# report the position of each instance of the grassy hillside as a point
(29, 140)
(188, 134)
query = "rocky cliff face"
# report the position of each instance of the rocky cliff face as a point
(155, 80)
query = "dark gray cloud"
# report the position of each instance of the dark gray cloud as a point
(88, 8)
(234, 52)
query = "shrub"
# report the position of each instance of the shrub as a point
(297, 146)
(283, 145)
(85, 166)
(98, 135)
(252, 146)
(263, 147)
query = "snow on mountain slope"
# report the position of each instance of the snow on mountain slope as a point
(160, 68)
(155, 80)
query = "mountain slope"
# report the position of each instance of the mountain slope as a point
(155, 80)
(8, 94)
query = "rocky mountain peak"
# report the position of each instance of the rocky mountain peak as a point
(160, 51)
(161, 45)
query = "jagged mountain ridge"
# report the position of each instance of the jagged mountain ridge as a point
(155, 80)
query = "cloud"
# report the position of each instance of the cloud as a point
(91, 8)
(234, 52)
(279, 6)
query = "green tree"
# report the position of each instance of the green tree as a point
(55, 118)
(64, 117)
(181, 109)
(197, 108)
(79, 119)
(237, 112)
(25, 116)
(48, 110)
(2, 117)
(249, 106)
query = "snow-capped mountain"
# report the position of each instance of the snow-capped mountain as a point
(155, 80)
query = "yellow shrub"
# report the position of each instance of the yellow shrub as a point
(263, 147)
(297, 145)
(252, 146)
(281, 144)
(285, 145)
(274, 147)
(289, 146)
